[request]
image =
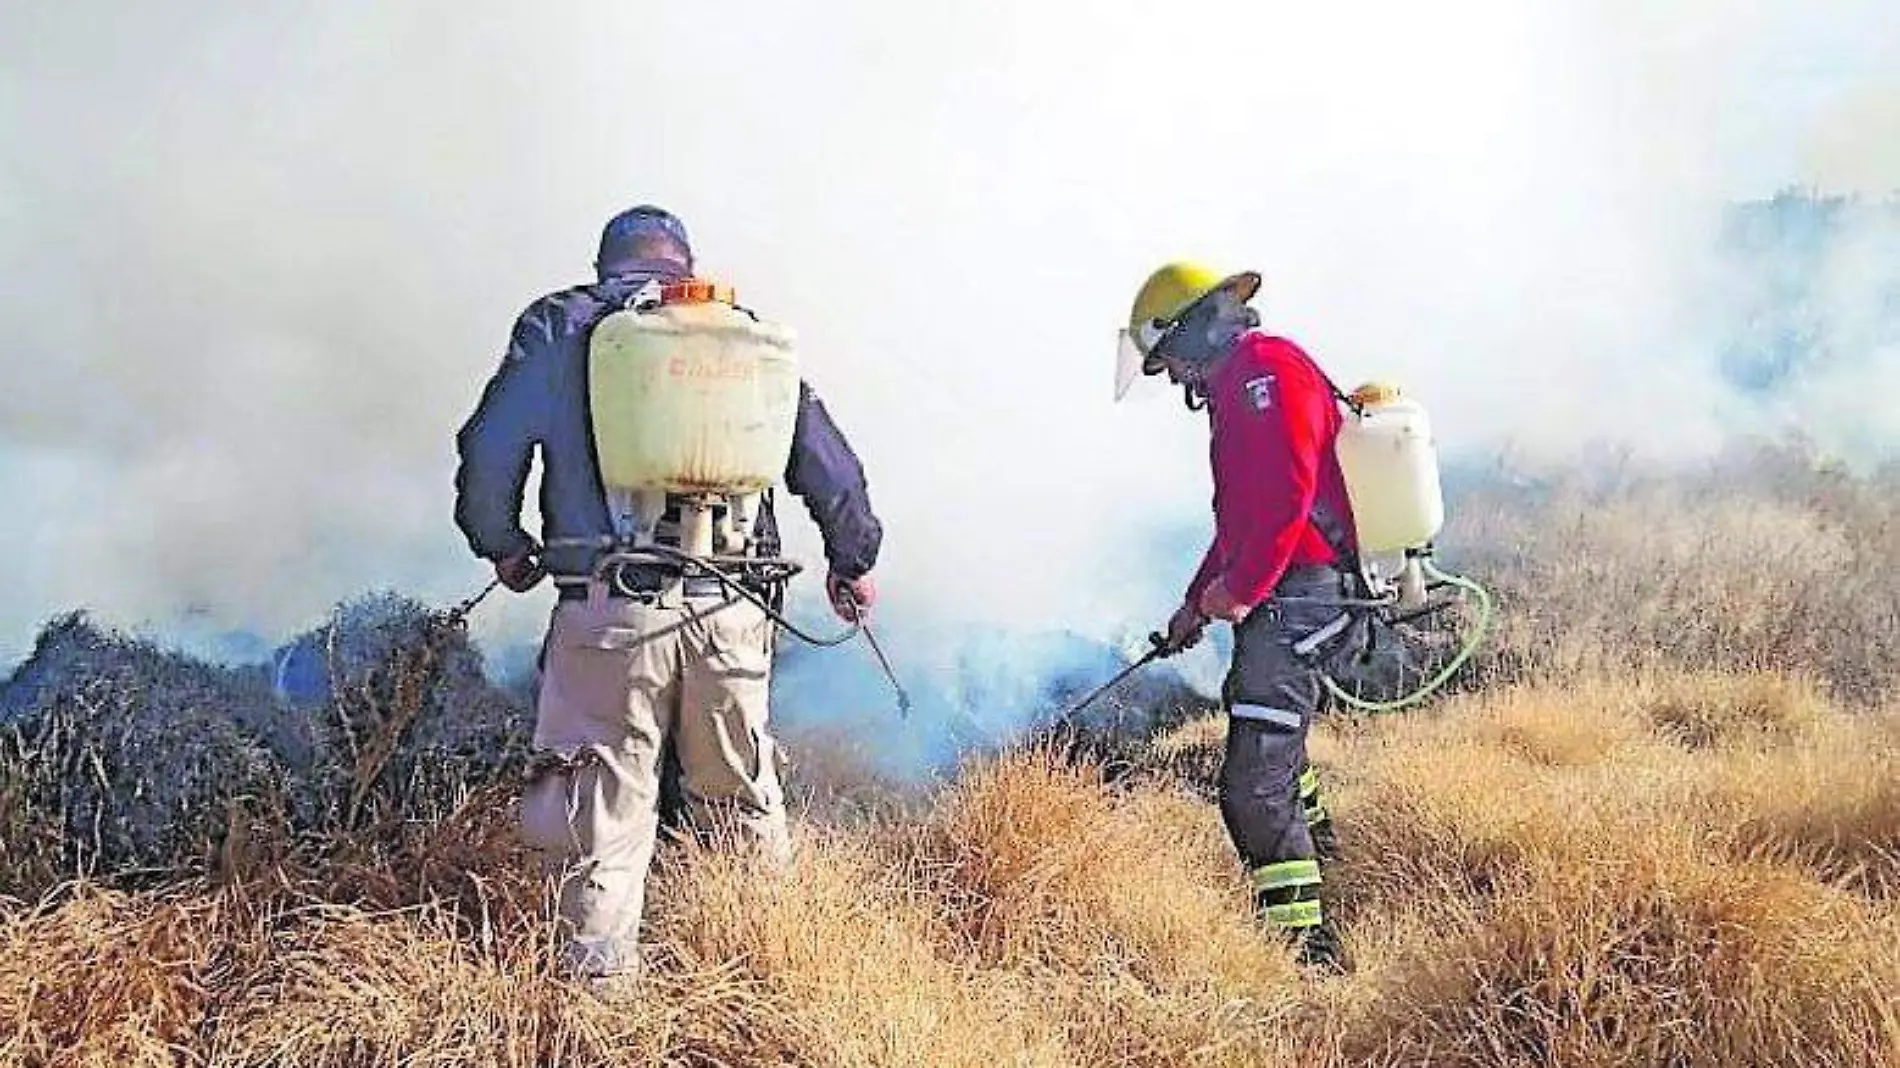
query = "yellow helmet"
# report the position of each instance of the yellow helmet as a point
(1162, 301)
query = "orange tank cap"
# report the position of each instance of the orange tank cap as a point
(697, 291)
(1376, 393)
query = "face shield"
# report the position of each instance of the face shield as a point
(1132, 361)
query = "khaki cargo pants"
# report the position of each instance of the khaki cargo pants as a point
(620, 680)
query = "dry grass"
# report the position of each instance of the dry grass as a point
(1662, 835)
(107, 978)
(1769, 561)
(1585, 886)
(1532, 876)
(1663, 958)
(1826, 803)
(1042, 872)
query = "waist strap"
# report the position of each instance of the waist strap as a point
(641, 581)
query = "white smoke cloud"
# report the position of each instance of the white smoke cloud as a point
(258, 260)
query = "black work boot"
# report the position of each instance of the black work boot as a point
(1288, 904)
(1320, 949)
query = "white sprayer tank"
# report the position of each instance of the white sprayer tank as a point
(1390, 464)
(694, 397)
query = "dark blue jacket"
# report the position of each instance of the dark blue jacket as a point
(538, 397)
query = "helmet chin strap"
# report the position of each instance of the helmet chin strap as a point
(1205, 338)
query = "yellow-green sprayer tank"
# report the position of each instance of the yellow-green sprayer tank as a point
(692, 396)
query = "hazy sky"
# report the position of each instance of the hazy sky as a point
(257, 259)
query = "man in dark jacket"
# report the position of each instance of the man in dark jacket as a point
(658, 660)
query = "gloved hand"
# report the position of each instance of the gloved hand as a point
(1217, 603)
(520, 572)
(1185, 628)
(851, 598)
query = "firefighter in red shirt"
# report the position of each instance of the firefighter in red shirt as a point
(1281, 563)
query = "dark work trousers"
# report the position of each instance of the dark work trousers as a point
(1269, 795)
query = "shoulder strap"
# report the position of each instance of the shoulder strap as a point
(1331, 527)
(1339, 394)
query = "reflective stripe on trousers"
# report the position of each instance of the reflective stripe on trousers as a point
(1279, 717)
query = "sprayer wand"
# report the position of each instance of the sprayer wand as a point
(459, 614)
(1158, 649)
(870, 638)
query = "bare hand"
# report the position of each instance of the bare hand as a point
(520, 572)
(851, 598)
(1185, 628)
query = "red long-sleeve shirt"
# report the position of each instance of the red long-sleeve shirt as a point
(1274, 422)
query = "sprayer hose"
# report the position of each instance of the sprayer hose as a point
(733, 586)
(776, 570)
(1486, 607)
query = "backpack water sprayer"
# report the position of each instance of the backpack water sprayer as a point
(694, 404)
(1390, 463)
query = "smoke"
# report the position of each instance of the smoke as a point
(259, 259)
(1809, 286)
